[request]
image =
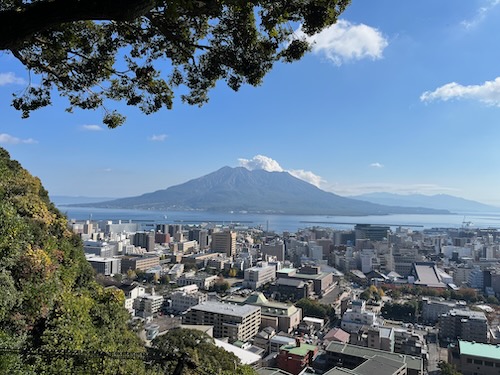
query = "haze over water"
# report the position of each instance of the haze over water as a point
(291, 223)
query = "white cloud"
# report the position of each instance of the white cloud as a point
(376, 165)
(158, 138)
(10, 78)
(307, 176)
(92, 128)
(344, 42)
(480, 14)
(9, 139)
(261, 162)
(426, 189)
(271, 165)
(488, 92)
(107, 170)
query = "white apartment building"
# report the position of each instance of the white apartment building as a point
(187, 297)
(203, 281)
(255, 277)
(357, 317)
(233, 321)
(148, 304)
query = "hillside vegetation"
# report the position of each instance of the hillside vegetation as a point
(48, 297)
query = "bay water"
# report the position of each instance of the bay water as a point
(281, 223)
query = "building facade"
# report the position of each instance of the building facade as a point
(232, 321)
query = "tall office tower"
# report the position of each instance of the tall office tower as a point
(224, 242)
(145, 240)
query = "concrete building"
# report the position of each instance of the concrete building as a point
(296, 357)
(139, 262)
(432, 309)
(323, 282)
(176, 271)
(293, 289)
(456, 323)
(371, 232)
(202, 280)
(233, 321)
(407, 341)
(224, 242)
(473, 358)
(100, 248)
(105, 266)
(351, 357)
(381, 338)
(273, 249)
(403, 260)
(145, 240)
(147, 305)
(255, 277)
(186, 297)
(282, 317)
(356, 317)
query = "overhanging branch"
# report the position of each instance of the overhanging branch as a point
(19, 25)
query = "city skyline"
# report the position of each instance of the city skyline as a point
(395, 97)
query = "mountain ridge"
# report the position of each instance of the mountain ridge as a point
(258, 191)
(439, 201)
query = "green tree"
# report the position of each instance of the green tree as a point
(448, 369)
(94, 51)
(233, 272)
(315, 309)
(49, 299)
(201, 350)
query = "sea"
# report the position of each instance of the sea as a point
(285, 223)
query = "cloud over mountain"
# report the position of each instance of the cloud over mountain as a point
(270, 165)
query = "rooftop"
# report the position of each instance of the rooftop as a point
(226, 309)
(479, 350)
(301, 350)
(415, 363)
(427, 274)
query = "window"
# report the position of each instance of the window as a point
(469, 360)
(489, 364)
(478, 362)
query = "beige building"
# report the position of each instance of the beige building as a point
(142, 263)
(224, 242)
(280, 316)
(473, 358)
(255, 277)
(233, 321)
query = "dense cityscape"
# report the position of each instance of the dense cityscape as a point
(374, 299)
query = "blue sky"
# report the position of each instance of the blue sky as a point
(399, 96)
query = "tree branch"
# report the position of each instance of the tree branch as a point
(19, 25)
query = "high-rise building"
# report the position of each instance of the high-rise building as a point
(457, 323)
(274, 249)
(145, 240)
(224, 242)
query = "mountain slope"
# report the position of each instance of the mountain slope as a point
(438, 201)
(238, 189)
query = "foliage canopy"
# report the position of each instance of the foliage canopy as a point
(140, 51)
(49, 299)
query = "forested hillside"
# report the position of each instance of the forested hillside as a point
(48, 297)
